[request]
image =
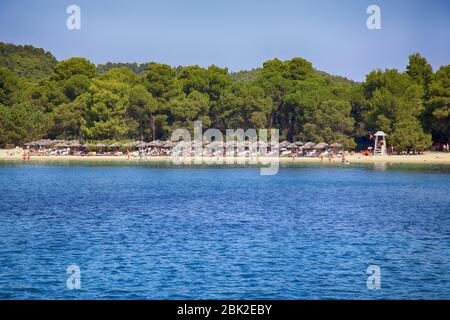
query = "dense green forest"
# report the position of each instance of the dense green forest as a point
(74, 99)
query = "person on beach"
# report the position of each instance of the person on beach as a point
(26, 154)
(128, 154)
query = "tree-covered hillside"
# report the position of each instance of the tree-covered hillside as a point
(245, 76)
(75, 99)
(139, 69)
(27, 61)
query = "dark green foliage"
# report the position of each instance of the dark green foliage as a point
(27, 61)
(245, 76)
(437, 107)
(73, 99)
(22, 122)
(420, 70)
(74, 66)
(138, 69)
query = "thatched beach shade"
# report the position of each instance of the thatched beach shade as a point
(74, 144)
(51, 143)
(155, 143)
(168, 144)
(321, 145)
(115, 145)
(141, 144)
(62, 144)
(216, 144)
(40, 143)
(182, 144)
(30, 144)
(335, 145)
(137, 143)
(308, 145)
(128, 144)
(43, 142)
(86, 145)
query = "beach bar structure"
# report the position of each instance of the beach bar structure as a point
(379, 148)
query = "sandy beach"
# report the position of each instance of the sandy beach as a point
(426, 158)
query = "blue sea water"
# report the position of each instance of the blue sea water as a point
(156, 232)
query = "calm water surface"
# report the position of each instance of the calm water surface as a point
(309, 232)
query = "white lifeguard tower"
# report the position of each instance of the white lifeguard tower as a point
(379, 148)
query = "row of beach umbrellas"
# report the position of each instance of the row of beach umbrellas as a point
(78, 144)
(308, 145)
(169, 144)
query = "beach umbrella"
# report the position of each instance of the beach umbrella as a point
(321, 145)
(74, 144)
(137, 143)
(52, 142)
(115, 145)
(29, 144)
(335, 145)
(155, 143)
(181, 144)
(44, 142)
(309, 145)
(168, 144)
(40, 142)
(216, 144)
(62, 144)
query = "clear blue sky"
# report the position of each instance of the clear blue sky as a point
(237, 34)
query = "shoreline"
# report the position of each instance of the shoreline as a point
(426, 158)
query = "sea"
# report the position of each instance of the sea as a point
(106, 230)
